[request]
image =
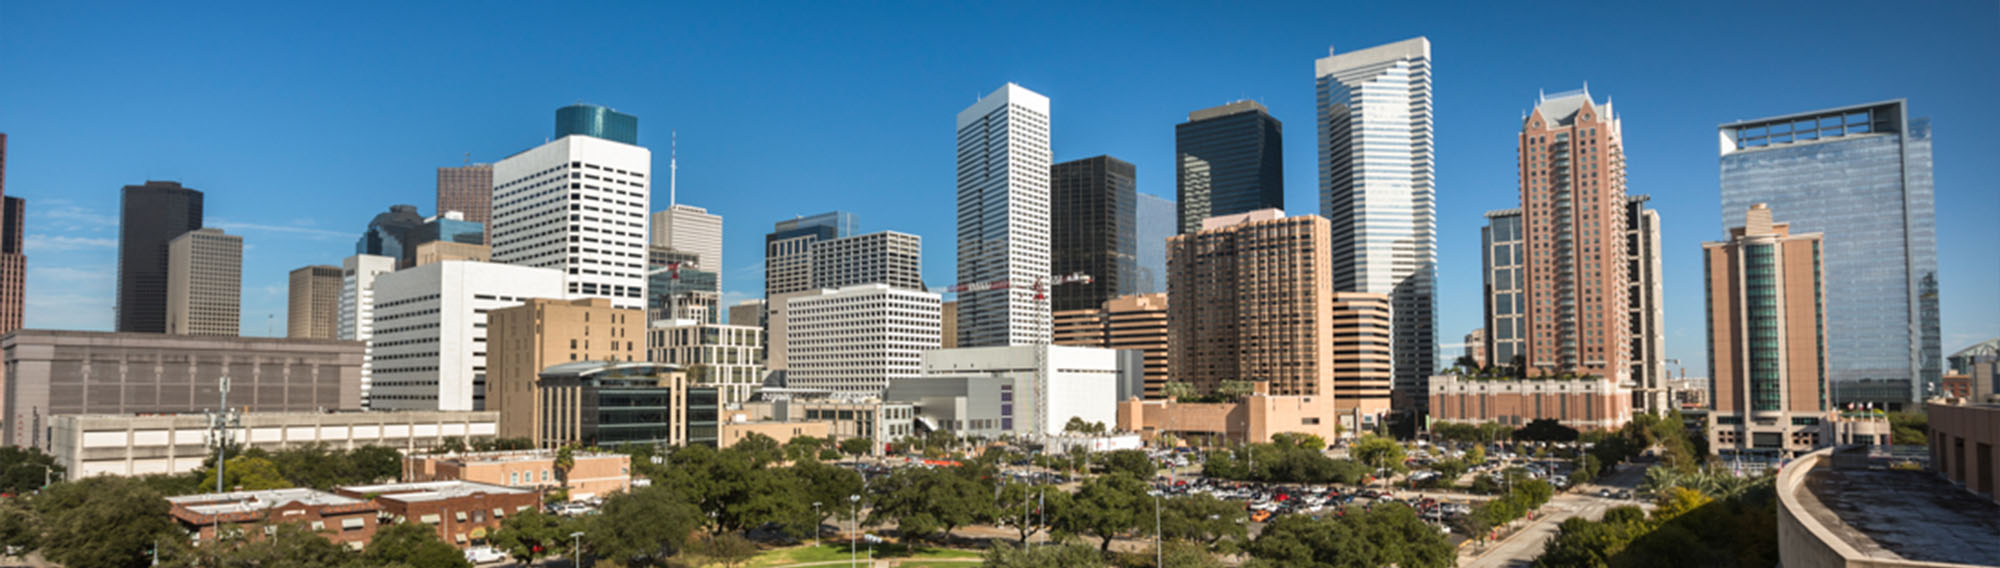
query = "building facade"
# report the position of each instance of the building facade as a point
(1861, 175)
(1158, 218)
(313, 303)
(541, 333)
(1252, 301)
(1377, 184)
(677, 292)
(788, 259)
(1136, 323)
(357, 308)
(1962, 445)
(1228, 160)
(1029, 390)
(1646, 309)
(128, 444)
(439, 251)
(597, 122)
(692, 229)
(428, 348)
(1003, 218)
(392, 234)
(600, 404)
(465, 513)
(1363, 357)
(591, 474)
(885, 257)
(13, 254)
(859, 339)
(1767, 343)
(576, 205)
(1503, 272)
(205, 283)
(150, 216)
(726, 357)
(50, 373)
(467, 189)
(1580, 402)
(747, 313)
(1572, 177)
(346, 521)
(1095, 231)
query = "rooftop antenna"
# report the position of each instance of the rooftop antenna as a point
(674, 170)
(468, 158)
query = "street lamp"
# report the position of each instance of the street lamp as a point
(576, 549)
(816, 519)
(853, 527)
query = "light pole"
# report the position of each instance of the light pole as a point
(816, 519)
(854, 528)
(1159, 554)
(576, 549)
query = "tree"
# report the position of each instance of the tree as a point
(1135, 463)
(1188, 555)
(1676, 501)
(1029, 508)
(827, 485)
(530, 535)
(248, 473)
(1387, 535)
(371, 464)
(1105, 507)
(1233, 390)
(1586, 469)
(802, 449)
(857, 446)
(1546, 430)
(450, 445)
(411, 544)
(1205, 520)
(1177, 390)
(564, 462)
(1299, 440)
(1003, 555)
(642, 527)
(102, 521)
(286, 544)
(26, 469)
(1379, 453)
(760, 450)
(1076, 425)
(728, 549)
(930, 502)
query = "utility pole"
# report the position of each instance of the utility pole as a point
(219, 424)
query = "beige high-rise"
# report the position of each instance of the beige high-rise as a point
(525, 339)
(1766, 338)
(313, 306)
(1253, 301)
(205, 283)
(1363, 353)
(1137, 322)
(1573, 206)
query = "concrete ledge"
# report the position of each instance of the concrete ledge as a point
(1804, 542)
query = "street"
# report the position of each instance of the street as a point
(1521, 548)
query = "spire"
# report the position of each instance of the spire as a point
(674, 169)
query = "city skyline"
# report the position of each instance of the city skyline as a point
(293, 210)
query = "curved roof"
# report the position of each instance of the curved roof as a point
(1988, 347)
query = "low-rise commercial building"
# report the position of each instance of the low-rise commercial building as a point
(344, 520)
(1965, 446)
(464, 513)
(591, 474)
(846, 416)
(106, 444)
(1029, 390)
(1254, 418)
(734, 431)
(603, 403)
(1582, 402)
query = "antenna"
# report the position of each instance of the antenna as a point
(674, 170)
(468, 158)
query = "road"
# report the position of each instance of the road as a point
(1521, 548)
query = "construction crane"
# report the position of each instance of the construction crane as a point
(1041, 285)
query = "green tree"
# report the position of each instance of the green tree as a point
(1177, 390)
(287, 544)
(26, 469)
(564, 462)
(1003, 555)
(102, 521)
(1546, 430)
(857, 446)
(931, 502)
(802, 449)
(1076, 425)
(530, 535)
(1188, 555)
(1299, 440)
(20, 527)
(1476, 455)
(1676, 501)
(1105, 507)
(1586, 469)
(1387, 535)
(1379, 453)
(248, 473)
(643, 527)
(411, 544)
(828, 485)
(1135, 463)
(373, 464)
(726, 549)
(1205, 520)
(1029, 508)
(758, 449)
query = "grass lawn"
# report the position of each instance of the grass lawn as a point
(832, 552)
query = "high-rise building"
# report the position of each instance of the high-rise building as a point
(1503, 272)
(683, 293)
(540, 333)
(1136, 323)
(428, 348)
(13, 258)
(392, 234)
(728, 358)
(1573, 227)
(1767, 338)
(1363, 356)
(1647, 311)
(1095, 205)
(1861, 175)
(747, 312)
(576, 205)
(597, 122)
(859, 338)
(1003, 218)
(788, 249)
(1377, 184)
(690, 229)
(313, 304)
(150, 215)
(1157, 220)
(948, 325)
(1228, 160)
(205, 283)
(467, 189)
(357, 309)
(885, 257)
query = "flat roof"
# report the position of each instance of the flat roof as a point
(431, 490)
(504, 456)
(1908, 515)
(250, 501)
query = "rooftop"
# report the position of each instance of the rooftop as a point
(431, 490)
(1905, 515)
(505, 456)
(252, 501)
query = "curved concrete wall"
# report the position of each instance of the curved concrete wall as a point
(1804, 543)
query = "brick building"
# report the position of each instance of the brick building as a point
(342, 519)
(1583, 403)
(465, 513)
(593, 475)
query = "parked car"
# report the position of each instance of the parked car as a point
(484, 555)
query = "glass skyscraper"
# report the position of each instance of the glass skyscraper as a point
(597, 121)
(1158, 218)
(1229, 160)
(1093, 205)
(1861, 175)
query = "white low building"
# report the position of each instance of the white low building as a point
(107, 444)
(428, 348)
(1028, 390)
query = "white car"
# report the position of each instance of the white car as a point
(484, 555)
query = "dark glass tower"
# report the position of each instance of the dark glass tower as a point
(1230, 160)
(394, 235)
(598, 122)
(150, 216)
(1093, 230)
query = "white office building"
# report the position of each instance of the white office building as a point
(1003, 218)
(885, 257)
(687, 228)
(1028, 390)
(859, 338)
(577, 206)
(357, 306)
(1377, 175)
(729, 357)
(428, 348)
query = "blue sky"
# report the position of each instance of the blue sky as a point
(301, 121)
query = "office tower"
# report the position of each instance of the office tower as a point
(859, 338)
(150, 215)
(1363, 357)
(313, 304)
(392, 234)
(523, 340)
(1157, 220)
(663, 257)
(597, 122)
(1252, 300)
(1767, 338)
(1377, 185)
(1647, 314)
(948, 325)
(885, 257)
(450, 227)
(726, 357)
(13, 258)
(593, 233)
(683, 293)
(692, 229)
(357, 309)
(747, 312)
(1003, 218)
(1861, 175)
(788, 249)
(205, 283)
(1573, 232)
(428, 348)
(468, 190)
(1229, 159)
(1503, 272)
(1475, 347)
(1094, 204)
(1137, 323)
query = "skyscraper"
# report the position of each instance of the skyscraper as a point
(1504, 275)
(205, 283)
(357, 310)
(1229, 159)
(859, 338)
(597, 122)
(1861, 175)
(1095, 208)
(1003, 218)
(1767, 338)
(469, 190)
(1647, 311)
(1377, 185)
(13, 258)
(691, 229)
(150, 215)
(788, 249)
(593, 231)
(392, 234)
(1573, 223)
(1158, 219)
(313, 304)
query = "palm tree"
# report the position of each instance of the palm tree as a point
(565, 461)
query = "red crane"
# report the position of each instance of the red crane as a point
(1041, 284)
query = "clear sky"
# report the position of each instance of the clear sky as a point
(303, 120)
